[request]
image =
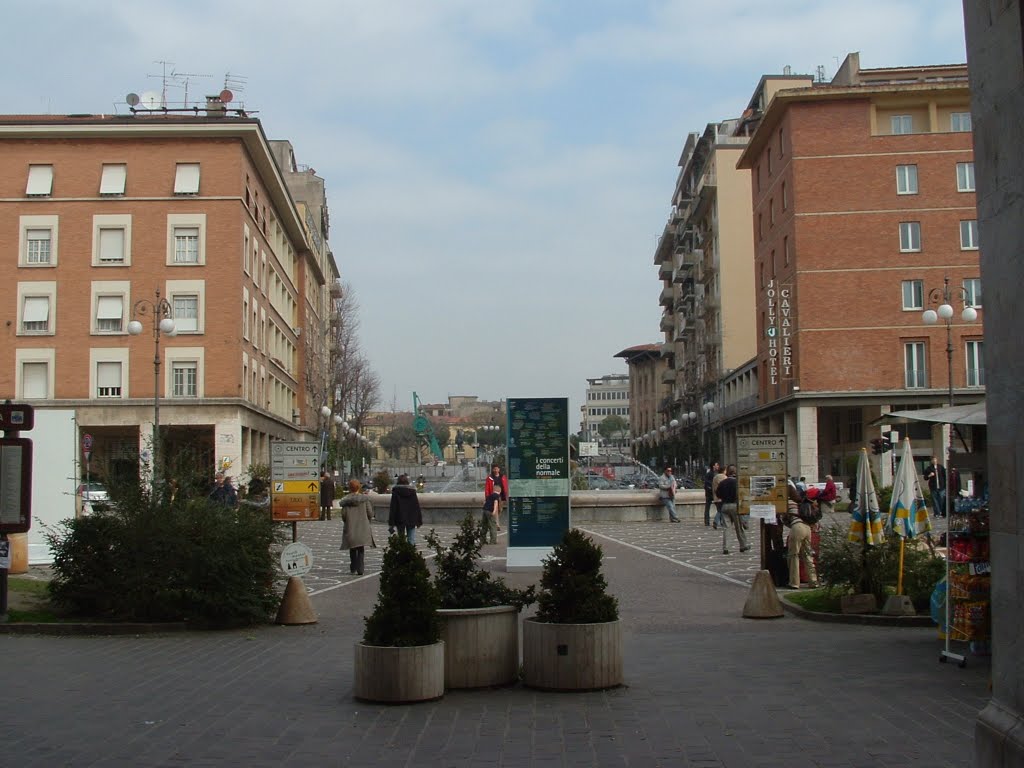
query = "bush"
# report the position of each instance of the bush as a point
(573, 589)
(381, 481)
(844, 568)
(152, 559)
(407, 601)
(460, 581)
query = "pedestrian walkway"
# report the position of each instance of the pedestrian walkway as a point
(705, 687)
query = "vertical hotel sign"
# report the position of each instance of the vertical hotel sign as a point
(779, 329)
(538, 477)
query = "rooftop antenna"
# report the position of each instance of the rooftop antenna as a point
(181, 78)
(820, 73)
(163, 80)
(234, 84)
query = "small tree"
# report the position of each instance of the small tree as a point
(398, 438)
(573, 589)
(407, 601)
(613, 427)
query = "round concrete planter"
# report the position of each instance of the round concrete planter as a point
(395, 675)
(572, 657)
(481, 646)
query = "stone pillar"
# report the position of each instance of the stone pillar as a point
(806, 442)
(995, 55)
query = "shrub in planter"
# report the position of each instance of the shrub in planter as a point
(575, 641)
(381, 481)
(573, 589)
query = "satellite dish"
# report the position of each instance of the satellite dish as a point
(151, 100)
(226, 96)
(132, 99)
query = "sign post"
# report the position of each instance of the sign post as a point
(761, 466)
(15, 484)
(538, 478)
(294, 482)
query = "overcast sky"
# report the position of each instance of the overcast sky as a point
(498, 173)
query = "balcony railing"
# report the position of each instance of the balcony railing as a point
(916, 378)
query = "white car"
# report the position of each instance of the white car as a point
(91, 497)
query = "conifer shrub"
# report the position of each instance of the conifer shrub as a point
(407, 601)
(572, 588)
(459, 579)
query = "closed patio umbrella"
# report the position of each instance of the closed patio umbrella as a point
(908, 513)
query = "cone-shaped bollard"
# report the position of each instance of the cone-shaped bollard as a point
(899, 605)
(295, 605)
(763, 601)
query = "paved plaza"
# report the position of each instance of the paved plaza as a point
(705, 687)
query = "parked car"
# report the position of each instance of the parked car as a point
(91, 497)
(600, 483)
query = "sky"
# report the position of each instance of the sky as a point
(498, 174)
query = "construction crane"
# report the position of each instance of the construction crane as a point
(424, 429)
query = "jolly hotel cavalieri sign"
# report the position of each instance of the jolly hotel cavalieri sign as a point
(779, 330)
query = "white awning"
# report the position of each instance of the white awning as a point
(970, 414)
(108, 308)
(37, 309)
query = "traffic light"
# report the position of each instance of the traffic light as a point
(886, 445)
(876, 446)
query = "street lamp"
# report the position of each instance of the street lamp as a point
(943, 298)
(163, 322)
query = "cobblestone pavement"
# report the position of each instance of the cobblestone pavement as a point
(705, 687)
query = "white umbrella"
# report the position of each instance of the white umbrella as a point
(908, 513)
(866, 517)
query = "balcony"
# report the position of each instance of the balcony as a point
(712, 302)
(665, 269)
(712, 339)
(667, 349)
(668, 376)
(667, 321)
(666, 297)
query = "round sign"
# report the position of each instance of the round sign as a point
(296, 559)
(86, 442)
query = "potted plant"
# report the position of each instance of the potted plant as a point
(574, 643)
(479, 613)
(401, 657)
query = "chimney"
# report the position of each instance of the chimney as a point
(215, 107)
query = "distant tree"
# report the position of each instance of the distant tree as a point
(613, 427)
(398, 438)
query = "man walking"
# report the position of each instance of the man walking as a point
(709, 490)
(728, 492)
(326, 495)
(405, 515)
(667, 493)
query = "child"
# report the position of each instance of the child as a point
(490, 516)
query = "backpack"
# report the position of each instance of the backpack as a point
(809, 513)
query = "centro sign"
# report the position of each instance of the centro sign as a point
(779, 330)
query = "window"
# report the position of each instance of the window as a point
(112, 179)
(760, 226)
(769, 161)
(969, 235)
(186, 313)
(913, 294)
(785, 197)
(975, 364)
(965, 177)
(914, 365)
(972, 292)
(183, 378)
(186, 245)
(910, 236)
(245, 247)
(35, 314)
(771, 211)
(37, 246)
(108, 379)
(110, 245)
(902, 124)
(785, 251)
(186, 179)
(109, 314)
(782, 146)
(40, 180)
(960, 122)
(906, 179)
(37, 241)
(35, 380)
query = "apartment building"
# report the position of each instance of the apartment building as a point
(863, 213)
(648, 389)
(110, 219)
(607, 395)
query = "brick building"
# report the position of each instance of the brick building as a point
(863, 205)
(102, 219)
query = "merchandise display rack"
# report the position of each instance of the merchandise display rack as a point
(968, 580)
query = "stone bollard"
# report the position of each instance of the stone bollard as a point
(763, 601)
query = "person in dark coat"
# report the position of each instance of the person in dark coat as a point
(326, 495)
(405, 515)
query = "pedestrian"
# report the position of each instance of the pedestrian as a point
(497, 479)
(490, 514)
(356, 514)
(935, 475)
(718, 478)
(798, 546)
(709, 492)
(326, 495)
(223, 492)
(667, 493)
(405, 515)
(728, 492)
(828, 495)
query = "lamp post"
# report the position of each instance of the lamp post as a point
(942, 298)
(163, 322)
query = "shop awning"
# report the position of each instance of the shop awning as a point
(970, 414)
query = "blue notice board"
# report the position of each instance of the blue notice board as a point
(538, 471)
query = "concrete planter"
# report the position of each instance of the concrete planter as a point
(393, 675)
(572, 657)
(481, 646)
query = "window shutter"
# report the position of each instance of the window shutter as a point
(112, 180)
(112, 244)
(108, 375)
(34, 380)
(40, 180)
(186, 179)
(109, 308)
(37, 309)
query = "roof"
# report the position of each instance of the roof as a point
(640, 351)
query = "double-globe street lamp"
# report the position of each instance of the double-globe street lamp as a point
(163, 322)
(943, 298)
